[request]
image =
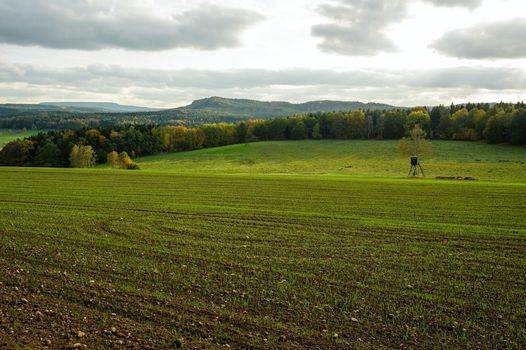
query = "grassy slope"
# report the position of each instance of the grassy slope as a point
(9, 135)
(361, 158)
(262, 261)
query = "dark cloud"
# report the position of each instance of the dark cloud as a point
(117, 78)
(359, 27)
(504, 39)
(90, 25)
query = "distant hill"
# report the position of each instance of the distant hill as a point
(106, 107)
(225, 107)
(12, 109)
(60, 115)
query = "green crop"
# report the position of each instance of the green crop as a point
(259, 261)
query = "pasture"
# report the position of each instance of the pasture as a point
(362, 158)
(7, 135)
(209, 250)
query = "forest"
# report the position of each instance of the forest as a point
(116, 144)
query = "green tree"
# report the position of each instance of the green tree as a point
(419, 117)
(241, 132)
(436, 115)
(316, 135)
(48, 155)
(497, 128)
(392, 124)
(298, 130)
(518, 127)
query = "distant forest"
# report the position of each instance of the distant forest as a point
(204, 111)
(500, 123)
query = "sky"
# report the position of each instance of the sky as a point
(167, 53)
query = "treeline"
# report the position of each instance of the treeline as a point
(67, 120)
(87, 146)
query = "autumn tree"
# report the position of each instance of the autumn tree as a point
(82, 157)
(419, 117)
(415, 144)
(17, 153)
(113, 159)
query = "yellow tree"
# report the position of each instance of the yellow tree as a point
(415, 144)
(113, 159)
(125, 160)
(82, 157)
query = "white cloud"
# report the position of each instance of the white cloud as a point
(360, 27)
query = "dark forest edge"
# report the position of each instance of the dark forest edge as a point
(115, 144)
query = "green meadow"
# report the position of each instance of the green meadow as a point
(278, 245)
(7, 135)
(348, 158)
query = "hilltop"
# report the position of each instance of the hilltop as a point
(227, 107)
(106, 107)
(207, 110)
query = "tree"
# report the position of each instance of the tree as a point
(437, 114)
(126, 162)
(241, 132)
(496, 128)
(298, 130)
(392, 124)
(82, 157)
(347, 125)
(316, 135)
(17, 153)
(48, 155)
(419, 117)
(113, 159)
(415, 144)
(518, 128)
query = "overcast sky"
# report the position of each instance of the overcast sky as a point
(166, 53)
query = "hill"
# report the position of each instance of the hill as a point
(223, 107)
(15, 110)
(59, 115)
(342, 157)
(106, 107)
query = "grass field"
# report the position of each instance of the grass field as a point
(358, 158)
(205, 252)
(7, 135)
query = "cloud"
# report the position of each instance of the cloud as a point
(359, 27)
(169, 88)
(471, 4)
(90, 25)
(115, 78)
(503, 39)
